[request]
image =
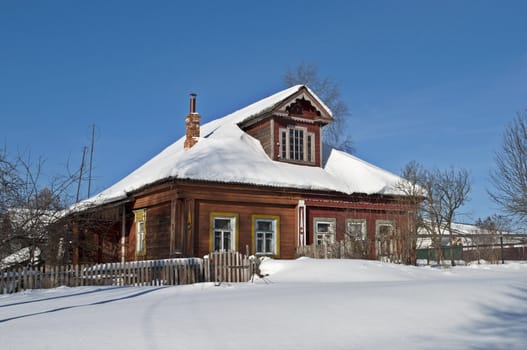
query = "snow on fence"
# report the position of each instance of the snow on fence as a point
(217, 267)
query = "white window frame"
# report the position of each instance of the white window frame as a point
(233, 232)
(324, 237)
(310, 147)
(307, 153)
(384, 246)
(269, 246)
(363, 229)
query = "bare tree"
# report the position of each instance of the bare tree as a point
(444, 193)
(329, 91)
(411, 186)
(28, 209)
(491, 232)
(509, 176)
(452, 189)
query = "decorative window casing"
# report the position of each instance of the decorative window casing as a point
(140, 232)
(356, 229)
(224, 231)
(384, 242)
(325, 229)
(266, 234)
(297, 144)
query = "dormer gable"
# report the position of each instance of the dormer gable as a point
(302, 104)
(302, 107)
(305, 107)
(290, 130)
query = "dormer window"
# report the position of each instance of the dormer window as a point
(290, 131)
(297, 144)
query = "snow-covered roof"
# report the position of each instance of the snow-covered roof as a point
(20, 256)
(459, 229)
(227, 154)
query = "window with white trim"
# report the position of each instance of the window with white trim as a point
(325, 230)
(356, 229)
(223, 233)
(297, 144)
(310, 147)
(266, 232)
(384, 243)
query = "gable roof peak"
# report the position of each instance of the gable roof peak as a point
(279, 104)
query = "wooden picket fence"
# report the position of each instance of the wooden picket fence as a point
(217, 267)
(230, 267)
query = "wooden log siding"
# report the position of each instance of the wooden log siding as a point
(218, 267)
(262, 131)
(158, 224)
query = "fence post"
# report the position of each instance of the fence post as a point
(206, 268)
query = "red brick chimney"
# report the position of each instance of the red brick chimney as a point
(192, 124)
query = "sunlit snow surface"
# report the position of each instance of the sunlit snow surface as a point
(302, 304)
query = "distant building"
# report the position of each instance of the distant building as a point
(471, 242)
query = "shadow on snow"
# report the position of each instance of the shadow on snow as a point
(60, 296)
(130, 296)
(503, 327)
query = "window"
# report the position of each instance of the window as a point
(223, 231)
(325, 230)
(266, 234)
(384, 238)
(284, 144)
(310, 148)
(297, 144)
(140, 232)
(356, 229)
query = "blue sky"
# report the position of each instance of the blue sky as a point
(431, 81)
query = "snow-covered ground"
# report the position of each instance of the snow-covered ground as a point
(302, 304)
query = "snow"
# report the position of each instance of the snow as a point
(302, 304)
(361, 176)
(20, 256)
(224, 153)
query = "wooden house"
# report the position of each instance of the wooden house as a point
(253, 181)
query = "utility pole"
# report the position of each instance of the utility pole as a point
(80, 174)
(501, 248)
(91, 159)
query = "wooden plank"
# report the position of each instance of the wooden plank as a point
(140, 273)
(122, 273)
(127, 274)
(78, 280)
(146, 273)
(165, 272)
(85, 275)
(55, 272)
(179, 273)
(206, 269)
(156, 278)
